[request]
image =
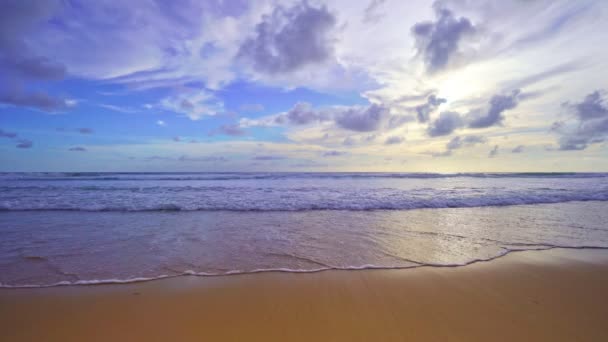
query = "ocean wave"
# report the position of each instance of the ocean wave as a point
(405, 204)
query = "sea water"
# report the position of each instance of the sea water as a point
(88, 228)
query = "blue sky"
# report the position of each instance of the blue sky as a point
(374, 85)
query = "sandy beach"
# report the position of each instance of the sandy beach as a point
(555, 295)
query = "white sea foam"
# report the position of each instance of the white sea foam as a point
(292, 192)
(269, 270)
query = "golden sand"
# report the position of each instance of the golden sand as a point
(557, 295)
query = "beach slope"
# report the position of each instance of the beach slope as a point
(555, 295)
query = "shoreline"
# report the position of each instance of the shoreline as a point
(186, 274)
(556, 294)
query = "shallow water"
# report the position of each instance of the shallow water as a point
(43, 248)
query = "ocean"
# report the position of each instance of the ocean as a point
(90, 228)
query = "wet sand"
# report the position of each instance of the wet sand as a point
(556, 295)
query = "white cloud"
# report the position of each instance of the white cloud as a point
(192, 102)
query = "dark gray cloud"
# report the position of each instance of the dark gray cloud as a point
(5, 134)
(354, 118)
(14, 94)
(349, 141)
(232, 130)
(455, 143)
(186, 105)
(302, 113)
(424, 111)
(37, 68)
(494, 115)
(82, 130)
(439, 40)
(17, 19)
(556, 126)
(290, 38)
(459, 142)
(370, 138)
(77, 149)
(591, 123)
(24, 143)
(445, 124)
(334, 153)
(592, 107)
(446, 153)
(177, 139)
(470, 140)
(494, 152)
(18, 63)
(518, 149)
(21, 143)
(363, 119)
(394, 140)
(573, 143)
(371, 14)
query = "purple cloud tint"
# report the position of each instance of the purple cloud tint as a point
(498, 105)
(494, 152)
(290, 38)
(438, 40)
(394, 140)
(233, 130)
(334, 153)
(518, 149)
(458, 142)
(591, 116)
(445, 124)
(424, 111)
(19, 63)
(77, 149)
(302, 113)
(24, 143)
(5, 134)
(363, 119)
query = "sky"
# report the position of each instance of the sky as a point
(336, 85)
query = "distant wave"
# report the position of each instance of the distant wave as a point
(109, 176)
(291, 191)
(308, 206)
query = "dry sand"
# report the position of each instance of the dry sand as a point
(557, 295)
